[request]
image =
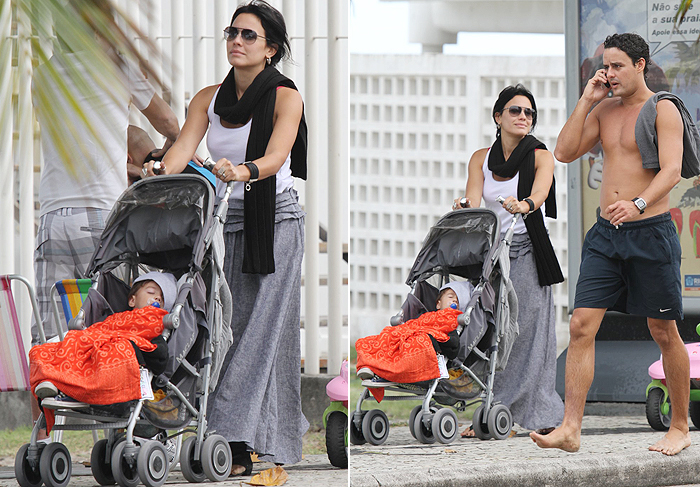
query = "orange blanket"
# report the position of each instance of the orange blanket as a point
(98, 365)
(404, 353)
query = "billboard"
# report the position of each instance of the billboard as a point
(675, 67)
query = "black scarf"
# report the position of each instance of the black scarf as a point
(522, 160)
(258, 101)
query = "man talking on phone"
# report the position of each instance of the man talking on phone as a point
(630, 260)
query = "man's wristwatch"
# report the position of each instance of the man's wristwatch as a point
(640, 204)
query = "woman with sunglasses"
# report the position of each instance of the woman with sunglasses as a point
(257, 134)
(519, 168)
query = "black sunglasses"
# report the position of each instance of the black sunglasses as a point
(515, 110)
(249, 36)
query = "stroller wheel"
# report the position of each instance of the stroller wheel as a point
(356, 436)
(216, 458)
(125, 472)
(500, 422)
(191, 469)
(423, 429)
(55, 466)
(152, 464)
(24, 473)
(445, 426)
(481, 429)
(658, 411)
(412, 418)
(101, 468)
(375, 427)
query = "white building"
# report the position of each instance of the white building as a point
(414, 123)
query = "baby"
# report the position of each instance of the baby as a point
(100, 364)
(408, 352)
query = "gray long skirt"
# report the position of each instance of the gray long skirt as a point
(527, 385)
(258, 397)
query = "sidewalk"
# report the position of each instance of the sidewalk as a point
(312, 470)
(613, 453)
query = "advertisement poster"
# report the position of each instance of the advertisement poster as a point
(675, 67)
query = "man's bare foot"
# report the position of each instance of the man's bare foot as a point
(559, 438)
(673, 442)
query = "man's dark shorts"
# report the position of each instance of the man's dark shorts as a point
(635, 268)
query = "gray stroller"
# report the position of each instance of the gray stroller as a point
(165, 223)
(464, 244)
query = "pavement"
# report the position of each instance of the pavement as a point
(613, 452)
(313, 470)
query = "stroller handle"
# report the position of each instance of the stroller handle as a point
(223, 206)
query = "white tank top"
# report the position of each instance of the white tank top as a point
(231, 143)
(493, 188)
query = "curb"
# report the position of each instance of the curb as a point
(639, 470)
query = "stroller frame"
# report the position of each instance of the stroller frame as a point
(204, 456)
(428, 422)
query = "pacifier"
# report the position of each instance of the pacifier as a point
(453, 306)
(155, 304)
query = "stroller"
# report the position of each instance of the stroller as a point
(463, 245)
(166, 223)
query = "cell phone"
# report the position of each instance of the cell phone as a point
(607, 84)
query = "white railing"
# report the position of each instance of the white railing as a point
(190, 34)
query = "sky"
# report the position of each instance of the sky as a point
(381, 27)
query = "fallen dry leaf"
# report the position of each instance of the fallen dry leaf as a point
(447, 450)
(254, 457)
(271, 476)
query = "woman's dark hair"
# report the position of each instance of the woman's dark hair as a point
(507, 94)
(633, 45)
(273, 23)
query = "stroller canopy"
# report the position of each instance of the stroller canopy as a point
(160, 221)
(460, 243)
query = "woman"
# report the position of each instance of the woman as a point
(256, 115)
(521, 169)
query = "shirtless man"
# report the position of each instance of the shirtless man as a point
(631, 257)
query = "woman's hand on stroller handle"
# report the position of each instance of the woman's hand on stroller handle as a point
(512, 205)
(460, 203)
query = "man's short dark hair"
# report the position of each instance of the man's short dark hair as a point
(633, 45)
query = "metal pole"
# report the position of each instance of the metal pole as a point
(198, 51)
(26, 168)
(177, 103)
(222, 17)
(7, 171)
(311, 318)
(289, 11)
(337, 174)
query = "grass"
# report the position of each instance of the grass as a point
(79, 444)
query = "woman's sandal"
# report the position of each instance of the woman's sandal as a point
(468, 433)
(241, 463)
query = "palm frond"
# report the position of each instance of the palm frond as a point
(89, 32)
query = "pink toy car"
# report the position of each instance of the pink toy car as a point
(658, 405)
(335, 419)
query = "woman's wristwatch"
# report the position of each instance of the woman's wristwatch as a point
(531, 204)
(254, 173)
